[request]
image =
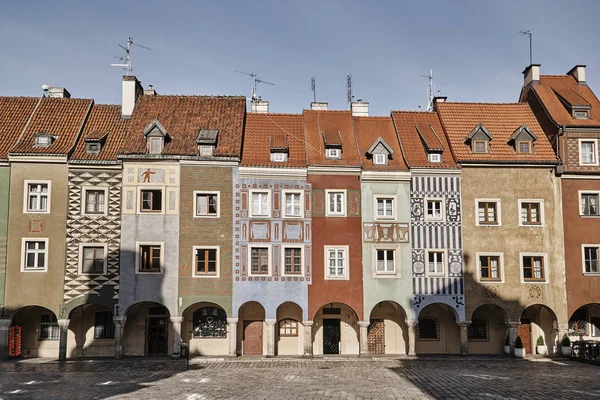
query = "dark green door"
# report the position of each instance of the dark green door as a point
(331, 336)
(157, 335)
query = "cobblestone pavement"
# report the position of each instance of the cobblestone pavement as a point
(470, 378)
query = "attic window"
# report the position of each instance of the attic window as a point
(279, 148)
(155, 145)
(279, 157)
(379, 159)
(435, 157)
(156, 136)
(334, 154)
(524, 147)
(380, 152)
(207, 141)
(92, 148)
(581, 114)
(206, 151)
(480, 146)
(522, 140)
(43, 139)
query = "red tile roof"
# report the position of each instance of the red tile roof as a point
(317, 122)
(264, 131)
(413, 146)
(183, 117)
(368, 131)
(501, 121)
(14, 114)
(60, 117)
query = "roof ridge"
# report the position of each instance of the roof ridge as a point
(275, 114)
(196, 95)
(414, 112)
(485, 104)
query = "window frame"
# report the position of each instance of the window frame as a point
(161, 144)
(376, 199)
(24, 255)
(498, 211)
(269, 258)
(291, 328)
(595, 142)
(500, 256)
(444, 263)
(279, 157)
(383, 159)
(338, 155)
(80, 264)
(251, 204)
(346, 250)
(197, 193)
(283, 249)
(84, 190)
(486, 145)
(442, 202)
(53, 324)
(545, 278)
(162, 199)
(583, 247)
(138, 247)
(195, 273)
(529, 147)
(344, 193)
(222, 325)
(431, 157)
(104, 336)
(437, 329)
(470, 331)
(541, 213)
(396, 254)
(590, 192)
(284, 194)
(28, 182)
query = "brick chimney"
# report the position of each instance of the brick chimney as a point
(578, 72)
(131, 90)
(532, 75)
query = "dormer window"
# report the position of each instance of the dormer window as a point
(94, 141)
(279, 157)
(379, 159)
(333, 144)
(435, 157)
(279, 147)
(574, 103)
(581, 114)
(155, 145)
(522, 140)
(480, 146)
(43, 139)
(380, 152)
(524, 147)
(207, 141)
(479, 139)
(92, 148)
(334, 154)
(156, 137)
(206, 151)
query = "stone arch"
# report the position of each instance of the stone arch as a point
(39, 331)
(488, 329)
(335, 318)
(387, 332)
(446, 337)
(252, 329)
(584, 322)
(204, 327)
(289, 329)
(91, 330)
(151, 321)
(542, 321)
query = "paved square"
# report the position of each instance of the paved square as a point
(472, 378)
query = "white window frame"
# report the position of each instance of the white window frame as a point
(84, 190)
(498, 211)
(583, 246)
(137, 257)
(346, 276)
(376, 199)
(344, 199)
(379, 159)
(542, 215)
(161, 144)
(269, 255)
(434, 157)
(282, 268)
(337, 151)
(24, 257)
(582, 192)
(595, 142)
(195, 200)
(284, 194)
(80, 263)
(532, 254)
(163, 191)
(500, 256)
(26, 196)
(279, 157)
(388, 274)
(444, 262)
(442, 217)
(251, 204)
(195, 274)
(207, 149)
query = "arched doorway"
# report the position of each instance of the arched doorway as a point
(289, 330)
(336, 330)
(437, 330)
(387, 331)
(538, 320)
(91, 331)
(147, 330)
(39, 332)
(487, 331)
(252, 325)
(584, 323)
(204, 328)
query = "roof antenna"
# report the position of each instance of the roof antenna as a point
(313, 86)
(125, 60)
(528, 33)
(430, 91)
(349, 86)
(256, 82)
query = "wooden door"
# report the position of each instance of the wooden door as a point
(158, 335)
(376, 337)
(331, 336)
(253, 338)
(524, 332)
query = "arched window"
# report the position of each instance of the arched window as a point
(428, 329)
(288, 327)
(478, 331)
(210, 322)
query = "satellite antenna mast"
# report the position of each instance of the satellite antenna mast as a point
(256, 82)
(527, 32)
(430, 90)
(349, 86)
(313, 86)
(125, 60)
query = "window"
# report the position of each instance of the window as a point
(581, 114)
(35, 252)
(480, 146)
(42, 140)
(488, 212)
(259, 258)
(336, 259)
(93, 259)
(588, 152)
(206, 204)
(428, 329)
(155, 145)
(206, 151)
(434, 210)
(385, 208)
(531, 212)
(590, 258)
(385, 262)
(478, 331)
(279, 157)
(379, 159)
(150, 258)
(92, 148)
(524, 147)
(210, 322)
(206, 261)
(37, 197)
(293, 204)
(336, 203)
(533, 267)
(435, 263)
(104, 327)
(588, 203)
(95, 200)
(151, 200)
(595, 325)
(435, 157)
(292, 260)
(489, 267)
(48, 327)
(288, 328)
(260, 204)
(334, 153)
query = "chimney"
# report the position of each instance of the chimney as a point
(532, 74)
(438, 99)
(360, 109)
(150, 91)
(131, 90)
(318, 106)
(578, 72)
(259, 106)
(59, 92)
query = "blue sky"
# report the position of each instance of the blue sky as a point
(472, 46)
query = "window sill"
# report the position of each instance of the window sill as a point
(436, 275)
(209, 276)
(589, 216)
(258, 275)
(491, 280)
(591, 274)
(531, 225)
(92, 273)
(99, 214)
(36, 212)
(336, 278)
(429, 219)
(34, 270)
(534, 281)
(335, 215)
(209, 337)
(206, 216)
(149, 272)
(293, 216)
(151, 212)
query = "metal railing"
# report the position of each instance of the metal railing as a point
(586, 350)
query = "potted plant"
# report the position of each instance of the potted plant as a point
(565, 346)
(507, 345)
(541, 347)
(519, 350)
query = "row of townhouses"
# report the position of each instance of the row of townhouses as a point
(131, 229)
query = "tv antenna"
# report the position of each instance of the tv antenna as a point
(313, 86)
(430, 90)
(256, 82)
(349, 91)
(125, 60)
(527, 32)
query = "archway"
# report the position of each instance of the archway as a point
(91, 331)
(289, 330)
(538, 320)
(387, 332)
(437, 330)
(336, 330)
(252, 329)
(204, 328)
(584, 323)
(39, 332)
(147, 330)
(487, 331)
